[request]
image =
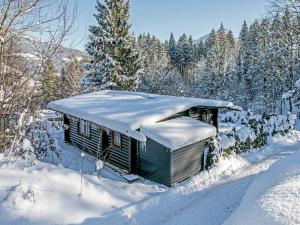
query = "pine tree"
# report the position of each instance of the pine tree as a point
(220, 48)
(122, 46)
(252, 61)
(185, 56)
(242, 52)
(155, 61)
(100, 72)
(115, 62)
(50, 84)
(172, 50)
(199, 51)
(210, 65)
(71, 75)
(230, 39)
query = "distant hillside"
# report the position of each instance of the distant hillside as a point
(32, 49)
(203, 39)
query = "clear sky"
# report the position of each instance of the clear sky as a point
(161, 17)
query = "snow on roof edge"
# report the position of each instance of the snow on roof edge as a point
(164, 107)
(122, 129)
(189, 131)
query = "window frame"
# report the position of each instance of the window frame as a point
(115, 142)
(84, 128)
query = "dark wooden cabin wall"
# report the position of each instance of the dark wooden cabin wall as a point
(199, 113)
(92, 144)
(186, 161)
(209, 116)
(154, 162)
(118, 156)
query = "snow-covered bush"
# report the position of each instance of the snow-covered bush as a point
(33, 138)
(248, 131)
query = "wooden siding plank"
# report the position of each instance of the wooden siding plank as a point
(186, 161)
(154, 162)
(120, 156)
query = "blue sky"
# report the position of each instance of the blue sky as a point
(161, 17)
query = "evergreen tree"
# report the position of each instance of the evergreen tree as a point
(219, 64)
(230, 39)
(122, 45)
(50, 84)
(114, 61)
(211, 41)
(242, 52)
(172, 50)
(155, 60)
(101, 72)
(252, 60)
(199, 51)
(185, 56)
(71, 75)
(210, 65)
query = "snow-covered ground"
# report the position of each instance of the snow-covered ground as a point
(258, 187)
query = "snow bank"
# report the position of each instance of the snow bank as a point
(179, 132)
(288, 94)
(35, 193)
(227, 141)
(128, 111)
(244, 133)
(44, 194)
(273, 198)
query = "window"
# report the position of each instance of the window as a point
(116, 138)
(206, 116)
(84, 128)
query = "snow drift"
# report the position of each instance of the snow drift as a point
(273, 198)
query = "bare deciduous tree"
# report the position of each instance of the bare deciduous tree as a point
(46, 21)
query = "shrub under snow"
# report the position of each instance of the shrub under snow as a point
(33, 139)
(247, 131)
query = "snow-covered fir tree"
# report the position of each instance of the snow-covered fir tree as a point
(115, 63)
(50, 84)
(172, 50)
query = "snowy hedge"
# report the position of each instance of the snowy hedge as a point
(33, 139)
(246, 131)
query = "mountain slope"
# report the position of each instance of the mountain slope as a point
(33, 50)
(203, 39)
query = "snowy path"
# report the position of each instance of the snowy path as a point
(206, 201)
(203, 197)
(47, 194)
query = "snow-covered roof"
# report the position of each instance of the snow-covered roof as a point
(126, 112)
(179, 132)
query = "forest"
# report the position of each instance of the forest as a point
(81, 137)
(254, 70)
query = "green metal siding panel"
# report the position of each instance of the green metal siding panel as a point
(186, 161)
(154, 163)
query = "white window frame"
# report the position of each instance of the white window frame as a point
(116, 138)
(84, 128)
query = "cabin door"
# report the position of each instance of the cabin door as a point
(67, 129)
(134, 156)
(105, 145)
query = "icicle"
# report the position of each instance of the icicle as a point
(143, 146)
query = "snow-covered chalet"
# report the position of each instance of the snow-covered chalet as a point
(161, 138)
